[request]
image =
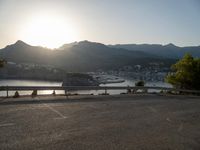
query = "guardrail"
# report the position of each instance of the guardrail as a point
(130, 89)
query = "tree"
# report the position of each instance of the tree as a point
(186, 73)
(139, 83)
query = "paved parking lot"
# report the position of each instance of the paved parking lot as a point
(123, 122)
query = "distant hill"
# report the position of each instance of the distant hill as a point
(80, 56)
(20, 52)
(167, 51)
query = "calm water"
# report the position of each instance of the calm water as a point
(49, 83)
(28, 83)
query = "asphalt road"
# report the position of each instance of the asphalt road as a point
(127, 122)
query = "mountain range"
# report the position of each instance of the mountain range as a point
(167, 51)
(91, 56)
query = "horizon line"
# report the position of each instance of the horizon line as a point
(100, 43)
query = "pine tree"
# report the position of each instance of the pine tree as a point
(186, 73)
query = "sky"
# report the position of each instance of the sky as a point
(51, 23)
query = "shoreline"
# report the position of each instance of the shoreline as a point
(27, 79)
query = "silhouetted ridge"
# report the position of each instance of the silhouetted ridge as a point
(79, 56)
(66, 46)
(168, 51)
(19, 42)
(171, 45)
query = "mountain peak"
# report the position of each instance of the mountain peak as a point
(68, 45)
(89, 43)
(20, 43)
(83, 44)
(171, 45)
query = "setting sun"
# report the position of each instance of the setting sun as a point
(49, 31)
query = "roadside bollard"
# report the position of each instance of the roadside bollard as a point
(54, 93)
(16, 95)
(133, 91)
(34, 94)
(7, 91)
(145, 91)
(66, 94)
(128, 90)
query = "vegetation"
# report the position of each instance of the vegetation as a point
(139, 83)
(186, 73)
(2, 62)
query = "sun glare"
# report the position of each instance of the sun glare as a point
(48, 31)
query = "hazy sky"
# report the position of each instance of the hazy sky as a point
(52, 23)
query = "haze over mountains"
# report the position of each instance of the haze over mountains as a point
(91, 56)
(167, 51)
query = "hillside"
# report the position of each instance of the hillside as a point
(80, 56)
(167, 51)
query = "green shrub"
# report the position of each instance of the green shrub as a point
(139, 83)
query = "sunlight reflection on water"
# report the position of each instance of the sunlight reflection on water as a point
(29, 83)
